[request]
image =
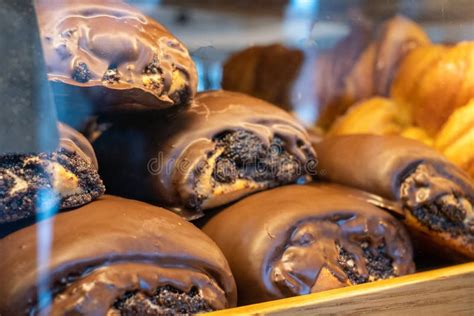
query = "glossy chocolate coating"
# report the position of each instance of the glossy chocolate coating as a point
(155, 158)
(109, 247)
(282, 242)
(106, 55)
(379, 164)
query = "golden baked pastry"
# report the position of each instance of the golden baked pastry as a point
(376, 115)
(433, 81)
(456, 138)
(418, 134)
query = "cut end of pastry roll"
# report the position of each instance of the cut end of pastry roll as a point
(61, 178)
(35, 183)
(437, 197)
(439, 205)
(241, 163)
(264, 149)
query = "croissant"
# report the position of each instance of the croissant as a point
(418, 134)
(433, 81)
(376, 115)
(456, 138)
(374, 70)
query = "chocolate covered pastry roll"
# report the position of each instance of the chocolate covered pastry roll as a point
(436, 196)
(302, 239)
(223, 147)
(106, 56)
(67, 176)
(114, 257)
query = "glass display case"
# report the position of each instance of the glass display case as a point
(177, 157)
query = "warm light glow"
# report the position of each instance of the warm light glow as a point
(47, 206)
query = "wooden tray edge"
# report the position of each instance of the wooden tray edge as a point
(451, 279)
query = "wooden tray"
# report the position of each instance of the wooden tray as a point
(447, 291)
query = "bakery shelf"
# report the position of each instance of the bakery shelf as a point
(447, 291)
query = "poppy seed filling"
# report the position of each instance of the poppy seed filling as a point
(378, 263)
(24, 177)
(437, 202)
(244, 156)
(165, 300)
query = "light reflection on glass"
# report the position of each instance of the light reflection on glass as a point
(46, 205)
(298, 21)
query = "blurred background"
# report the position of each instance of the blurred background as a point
(214, 29)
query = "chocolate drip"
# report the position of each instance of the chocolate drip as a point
(340, 245)
(207, 156)
(109, 248)
(301, 239)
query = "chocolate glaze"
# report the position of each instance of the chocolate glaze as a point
(149, 158)
(109, 247)
(285, 242)
(106, 55)
(379, 164)
(409, 172)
